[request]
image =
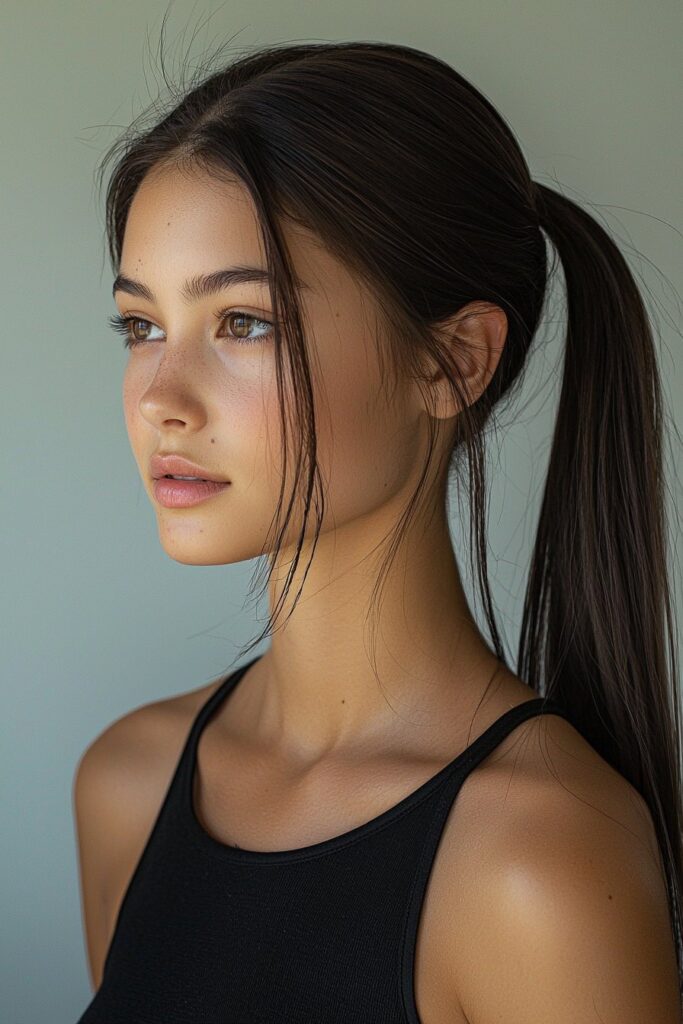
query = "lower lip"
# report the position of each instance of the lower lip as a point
(183, 493)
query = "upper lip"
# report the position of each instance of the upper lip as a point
(177, 465)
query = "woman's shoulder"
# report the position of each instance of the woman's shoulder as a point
(546, 784)
(124, 772)
(157, 723)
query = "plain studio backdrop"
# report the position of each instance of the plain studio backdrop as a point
(96, 619)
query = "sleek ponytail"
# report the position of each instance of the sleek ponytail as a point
(597, 629)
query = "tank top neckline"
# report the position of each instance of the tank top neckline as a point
(208, 843)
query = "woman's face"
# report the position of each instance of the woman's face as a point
(199, 388)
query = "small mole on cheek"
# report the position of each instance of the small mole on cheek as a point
(213, 440)
(343, 701)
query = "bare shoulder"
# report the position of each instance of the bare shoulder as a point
(560, 910)
(130, 758)
(118, 787)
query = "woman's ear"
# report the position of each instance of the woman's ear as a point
(474, 336)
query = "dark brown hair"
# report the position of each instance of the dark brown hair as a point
(408, 174)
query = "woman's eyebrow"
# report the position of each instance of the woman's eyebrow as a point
(202, 285)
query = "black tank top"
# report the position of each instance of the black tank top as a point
(325, 934)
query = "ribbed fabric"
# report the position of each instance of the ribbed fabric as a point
(325, 934)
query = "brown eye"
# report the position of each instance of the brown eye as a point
(139, 335)
(240, 326)
(242, 322)
(128, 327)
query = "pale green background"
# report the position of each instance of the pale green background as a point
(96, 618)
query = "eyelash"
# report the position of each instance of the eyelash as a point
(121, 324)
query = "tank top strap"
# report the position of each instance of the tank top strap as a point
(177, 788)
(220, 694)
(497, 731)
(454, 777)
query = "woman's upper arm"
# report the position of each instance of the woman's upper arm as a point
(117, 789)
(99, 832)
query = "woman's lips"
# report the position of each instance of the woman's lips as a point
(183, 493)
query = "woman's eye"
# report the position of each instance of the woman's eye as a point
(134, 329)
(243, 322)
(139, 331)
(240, 325)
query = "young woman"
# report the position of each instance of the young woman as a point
(331, 262)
